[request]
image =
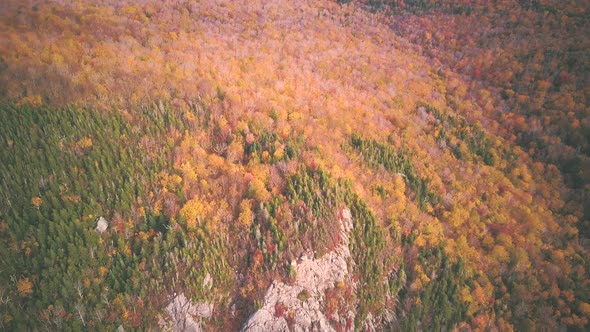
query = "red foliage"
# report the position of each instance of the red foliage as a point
(280, 309)
(118, 224)
(477, 73)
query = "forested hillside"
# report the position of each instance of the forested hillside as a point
(223, 141)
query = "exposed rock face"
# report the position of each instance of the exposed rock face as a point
(304, 300)
(101, 225)
(183, 314)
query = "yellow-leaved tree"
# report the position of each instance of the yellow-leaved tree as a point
(246, 215)
(193, 211)
(24, 286)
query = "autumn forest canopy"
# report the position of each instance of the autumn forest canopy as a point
(223, 145)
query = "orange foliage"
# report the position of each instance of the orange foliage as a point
(24, 287)
(325, 78)
(36, 201)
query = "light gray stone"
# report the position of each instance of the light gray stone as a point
(183, 312)
(101, 225)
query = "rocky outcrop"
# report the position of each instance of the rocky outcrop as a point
(101, 225)
(298, 306)
(183, 314)
(181, 310)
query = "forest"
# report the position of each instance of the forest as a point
(223, 140)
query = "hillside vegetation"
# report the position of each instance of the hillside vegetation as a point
(222, 140)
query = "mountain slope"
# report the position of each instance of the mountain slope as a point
(221, 140)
